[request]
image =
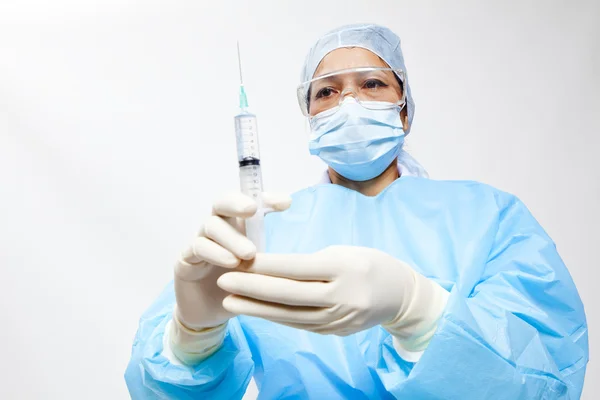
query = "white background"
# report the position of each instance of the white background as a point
(116, 132)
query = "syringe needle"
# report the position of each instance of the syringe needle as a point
(243, 97)
(240, 62)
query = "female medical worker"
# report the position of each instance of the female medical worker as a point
(380, 285)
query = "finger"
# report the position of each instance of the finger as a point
(301, 267)
(340, 326)
(235, 205)
(191, 272)
(228, 237)
(238, 224)
(275, 202)
(277, 312)
(204, 249)
(276, 290)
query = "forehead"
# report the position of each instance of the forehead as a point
(348, 57)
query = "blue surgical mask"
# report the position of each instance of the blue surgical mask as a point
(358, 142)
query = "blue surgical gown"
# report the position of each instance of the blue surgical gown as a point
(514, 326)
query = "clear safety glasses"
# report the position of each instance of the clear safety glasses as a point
(373, 87)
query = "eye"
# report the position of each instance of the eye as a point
(374, 84)
(325, 92)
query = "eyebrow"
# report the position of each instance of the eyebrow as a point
(332, 79)
(360, 74)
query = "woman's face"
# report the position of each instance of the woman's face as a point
(353, 57)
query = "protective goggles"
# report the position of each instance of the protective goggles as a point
(373, 87)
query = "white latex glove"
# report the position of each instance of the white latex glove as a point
(198, 325)
(339, 290)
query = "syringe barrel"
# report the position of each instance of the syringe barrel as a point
(251, 185)
(246, 131)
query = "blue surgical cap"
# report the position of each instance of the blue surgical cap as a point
(375, 38)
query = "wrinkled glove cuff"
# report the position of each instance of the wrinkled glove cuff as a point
(413, 329)
(192, 347)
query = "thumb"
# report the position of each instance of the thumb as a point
(275, 202)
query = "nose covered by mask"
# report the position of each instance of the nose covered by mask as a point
(359, 143)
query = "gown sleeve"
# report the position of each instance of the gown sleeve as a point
(151, 374)
(518, 332)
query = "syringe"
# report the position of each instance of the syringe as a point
(246, 133)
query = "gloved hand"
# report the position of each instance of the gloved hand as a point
(198, 324)
(339, 290)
